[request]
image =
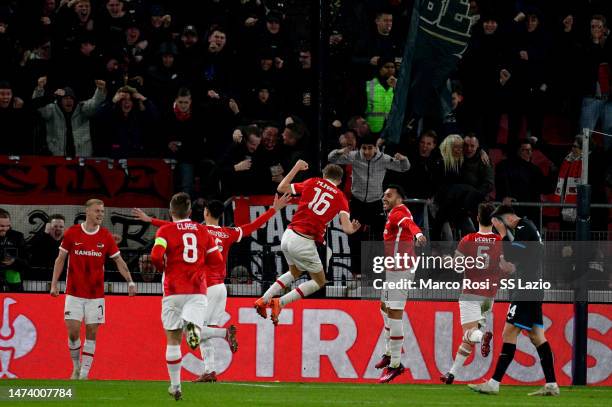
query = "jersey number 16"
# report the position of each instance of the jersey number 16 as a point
(320, 203)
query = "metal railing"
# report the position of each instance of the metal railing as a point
(251, 272)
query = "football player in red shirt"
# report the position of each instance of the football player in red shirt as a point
(476, 303)
(224, 237)
(400, 232)
(320, 202)
(86, 245)
(188, 248)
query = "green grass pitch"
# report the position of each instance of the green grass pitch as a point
(143, 394)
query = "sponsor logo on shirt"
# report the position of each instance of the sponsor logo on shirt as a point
(90, 253)
(100, 245)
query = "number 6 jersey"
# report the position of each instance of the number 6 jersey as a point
(320, 202)
(188, 248)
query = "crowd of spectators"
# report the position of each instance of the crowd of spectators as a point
(230, 94)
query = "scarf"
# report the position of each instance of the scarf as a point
(181, 116)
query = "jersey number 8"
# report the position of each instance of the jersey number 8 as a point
(190, 248)
(320, 203)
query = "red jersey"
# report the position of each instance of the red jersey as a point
(319, 203)
(478, 245)
(224, 237)
(87, 252)
(400, 226)
(187, 245)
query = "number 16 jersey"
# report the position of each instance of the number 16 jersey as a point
(187, 244)
(320, 202)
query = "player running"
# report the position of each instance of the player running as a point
(320, 202)
(224, 237)
(400, 232)
(522, 252)
(475, 303)
(86, 246)
(188, 248)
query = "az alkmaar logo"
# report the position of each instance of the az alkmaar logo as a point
(17, 338)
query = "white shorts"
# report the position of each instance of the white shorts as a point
(475, 310)
(395, 298)
(90, 309)
(178, 308)
(301, 252)
(217, 298)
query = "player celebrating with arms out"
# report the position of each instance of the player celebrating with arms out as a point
(475, 304)
(224, 238)
(400, 232)
(320, 202)
(188, 248)
(86, 245)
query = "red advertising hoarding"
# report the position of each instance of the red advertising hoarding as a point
(316, 340)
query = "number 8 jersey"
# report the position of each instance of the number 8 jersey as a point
(320, 202)
(187, 246)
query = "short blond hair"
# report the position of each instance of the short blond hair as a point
(333, 172)
(180, 205)
(92, 202)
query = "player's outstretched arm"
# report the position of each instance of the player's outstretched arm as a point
(348, 227)
(58, 267)
(142, 216)
(285, 186)
(279, 203)
(125, 272)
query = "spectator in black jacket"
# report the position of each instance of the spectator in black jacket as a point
(16, 130)
(13, 255)
(268, 158)
(163, 77)
(185, 131)
(295, 140)
(529, 82)
(125, 120)
(422, 179)
(377, 43)
(239, 167)
(518, 179)
(481, 71)
(44, 246)
(597, 80)
(476, 171)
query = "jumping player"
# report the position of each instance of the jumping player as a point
(188, 248)
(86, 246)
(475, 304)
(320, 202)
(399, 235)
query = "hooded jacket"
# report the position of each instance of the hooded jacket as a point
(56, 124)
(368, 176)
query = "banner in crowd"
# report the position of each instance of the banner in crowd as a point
(61, 181)
(439, 33)
(316, 340)
(247, 209)
(31, 219)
